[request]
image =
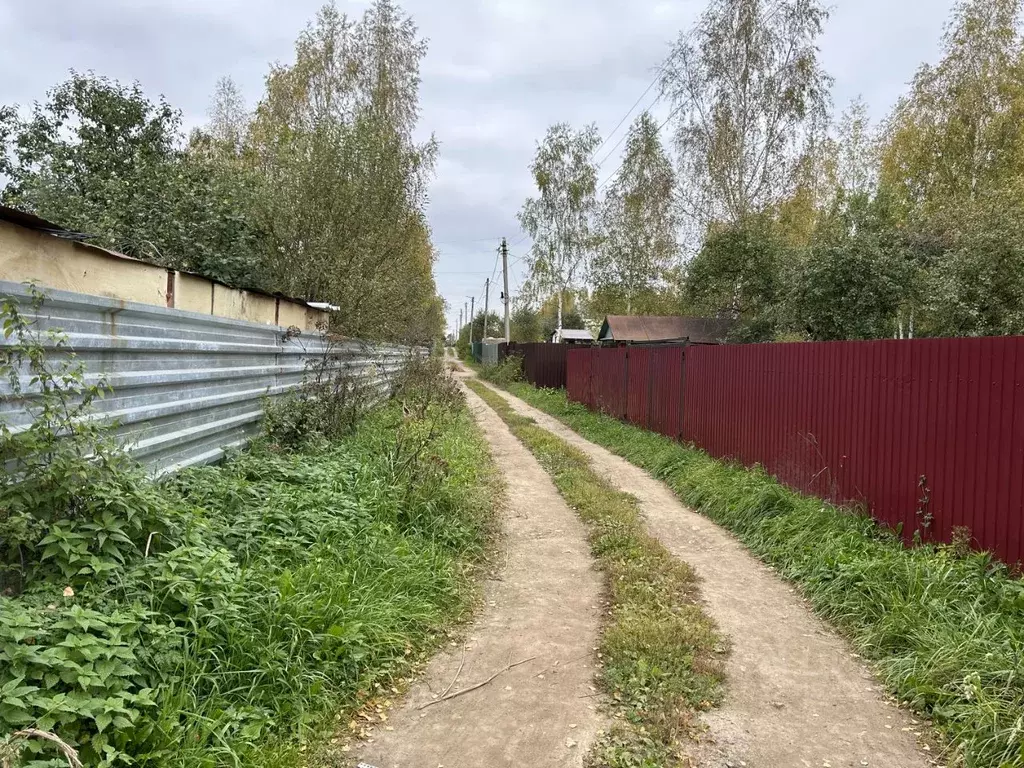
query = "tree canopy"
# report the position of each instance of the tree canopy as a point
(796, 223)
(318, 192)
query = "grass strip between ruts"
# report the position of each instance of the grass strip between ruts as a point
(660, 654)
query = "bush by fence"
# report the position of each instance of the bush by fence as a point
(928, 434)
(543, 364)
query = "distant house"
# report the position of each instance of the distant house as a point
(572, 336)
(654, 329)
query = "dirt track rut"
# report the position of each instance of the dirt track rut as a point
(545, 606)
(796, 696)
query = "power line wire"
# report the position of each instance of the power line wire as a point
(625, 136)
(625, 117)
(604, 183)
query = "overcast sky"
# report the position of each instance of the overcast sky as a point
(497, 74)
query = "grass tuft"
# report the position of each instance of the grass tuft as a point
(944, 628)
(661, 654)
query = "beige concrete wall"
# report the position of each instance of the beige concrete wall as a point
(27, 255)
(243, 305)
(227, 302)
(257, 308)
(314, 317)
(291, 314)
(193, 294)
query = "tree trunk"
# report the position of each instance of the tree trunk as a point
(559, 329)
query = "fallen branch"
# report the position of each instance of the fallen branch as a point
(459, 672)
(478, 685)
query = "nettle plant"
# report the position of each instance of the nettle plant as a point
(74, 509)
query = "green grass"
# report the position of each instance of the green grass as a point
(661, 654)
(284, 591)
(944, 628)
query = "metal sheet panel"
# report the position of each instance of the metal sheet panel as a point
(638, 386)
(609, 375)
(928, 434)
(578, 375)
(490, 353)
(186, 387)
(665, 412)
(544, 365)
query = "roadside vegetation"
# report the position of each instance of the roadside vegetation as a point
(660, 655)
(944, 626)
(232, 614)
(508, 371)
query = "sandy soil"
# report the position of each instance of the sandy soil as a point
(796, 695)
(544, 605)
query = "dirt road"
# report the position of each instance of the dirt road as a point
(795, 695)
(545, 607)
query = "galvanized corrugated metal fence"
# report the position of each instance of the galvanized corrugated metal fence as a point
(186, 387)
(928, 434)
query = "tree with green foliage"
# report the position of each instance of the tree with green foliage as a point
(561, 219)
(333, 137)
(953, 159)
(855, 277)
(748, 91)
(956, 133)
(638, 220)
(524, 324)
(739, 273)
(100, 158)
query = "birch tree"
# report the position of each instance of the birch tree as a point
(638, 221)
(561, 219)
(747, 91)
(957, 131)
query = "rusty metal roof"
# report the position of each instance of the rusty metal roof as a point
(31, 221)
(654, 328)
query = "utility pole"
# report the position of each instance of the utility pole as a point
(472, 315)
(465, 316)
(504, 294)
(487, 304)
(458, 328)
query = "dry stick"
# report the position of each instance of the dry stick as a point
(455, 679)
(478, 685)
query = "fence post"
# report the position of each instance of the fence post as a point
(682, 391)
(624, 416)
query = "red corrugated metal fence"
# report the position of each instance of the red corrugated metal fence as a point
(543, 364)
(929, 433)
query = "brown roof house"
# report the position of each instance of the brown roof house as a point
(654, 329)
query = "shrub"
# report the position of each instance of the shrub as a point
(508, 371)
(329, 402)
